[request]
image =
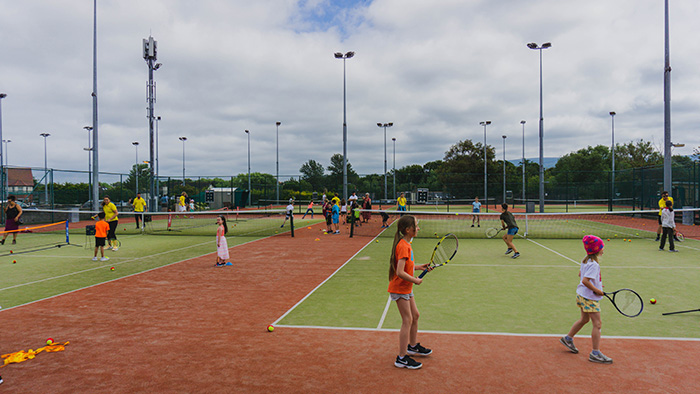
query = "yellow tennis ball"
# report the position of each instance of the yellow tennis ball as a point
(49, 341)
(270, 328)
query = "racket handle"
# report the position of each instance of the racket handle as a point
(422, 274)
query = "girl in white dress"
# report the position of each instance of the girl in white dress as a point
(221, 244)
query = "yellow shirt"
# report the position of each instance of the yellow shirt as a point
(139, 204)
(109, 210)
(401, 201)
(662, 204)
(335, 201)
(182, 201)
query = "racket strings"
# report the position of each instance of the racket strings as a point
(628, 302)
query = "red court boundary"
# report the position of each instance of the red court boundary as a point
(190, 327)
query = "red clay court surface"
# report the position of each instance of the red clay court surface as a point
(193, 328)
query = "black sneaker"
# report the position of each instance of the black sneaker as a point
(509, 251)
(407, 362)
(2, 242)
(472, 225)
(0, 379)
(418, 350)
(515, 256)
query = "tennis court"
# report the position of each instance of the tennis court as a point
(166, 319)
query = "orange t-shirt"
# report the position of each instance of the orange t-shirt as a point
(396, 284)
(101, 229)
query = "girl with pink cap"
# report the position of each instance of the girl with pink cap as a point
(588, 295)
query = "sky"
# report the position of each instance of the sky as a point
(435, 69)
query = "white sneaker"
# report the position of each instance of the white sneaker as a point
(104, 259)
(115, 249)
(94, 258)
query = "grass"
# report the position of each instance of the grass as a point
(483, 290)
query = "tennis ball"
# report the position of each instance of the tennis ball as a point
(377, 241)
(14, 261)
(11, 252)
(49, 341)
(270, 328)
(111, 269)
(608, 239)
(629, 240)
(653, 300)
(624, 240)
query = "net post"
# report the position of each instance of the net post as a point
(67, 233)
(291, 222)
(352, 224)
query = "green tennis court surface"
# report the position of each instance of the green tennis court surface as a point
(483, 290)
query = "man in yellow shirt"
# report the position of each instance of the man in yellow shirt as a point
(401, 202)
(112, 218)
(662, 204)
(139, 205)
(182, 202)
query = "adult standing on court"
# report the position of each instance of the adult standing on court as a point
(182, 202)
(508, 222)
(366, 206)
(662, 204)
(12, 214)
(401, 203)
(139, 205)
(112, 218)
(352, 198)
(335, 200)
(476, 208)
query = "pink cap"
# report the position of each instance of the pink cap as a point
(592, 244)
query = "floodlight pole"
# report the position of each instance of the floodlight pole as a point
(277, 155)
(150, 54)
(2, 169)
(612, 187)
(394, 166)
(668, 182)
(7, 163)
(157, 184)
(89, 151)
(345, 56)
(486, 186)
(522, 122)
(183, 139)
(385, 125)
(46, 170)
(95, 151)
(546, 45)
(136, 145)
(504, 169)
(249, 189)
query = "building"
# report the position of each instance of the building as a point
(20, 182)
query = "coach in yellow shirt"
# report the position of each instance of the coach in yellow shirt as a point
(139, 205)
(112, 218)
(662, 204)
(182, 203)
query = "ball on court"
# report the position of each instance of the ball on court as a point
(608, 239)
(11, 252)
(14, 261)
(49, 341)
(270, 328)
(377, 241)
(629, 240)
(653, 300)
(111, 269)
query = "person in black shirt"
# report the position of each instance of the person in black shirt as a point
(508, 222)
(12, 214)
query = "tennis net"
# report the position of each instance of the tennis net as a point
(37, 231)
(618, 224)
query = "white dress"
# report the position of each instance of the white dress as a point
(222, 245)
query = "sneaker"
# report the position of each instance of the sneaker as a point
(478, 225)
(94, 258)
(515, 256)
(569, 344)
(2, 242)
(282, 226)
(114, 249)
(407, 362)
(109, 247)
(14, 242)
(661, 249)
(673, 250)
(0, 379)
(104, 259)
(418, 350)
(220, 264)
(599, 358)
(472, 225)
(509, 251)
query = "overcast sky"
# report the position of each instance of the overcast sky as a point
(433, 68)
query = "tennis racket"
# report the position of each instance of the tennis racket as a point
(627, 302)
(680, 236)
(492, 232)
(443, 253)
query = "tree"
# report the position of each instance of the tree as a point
(313, 173)
(635, 155)
(336, 173)
(462, 169)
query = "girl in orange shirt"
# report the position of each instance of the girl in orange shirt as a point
(401, 282)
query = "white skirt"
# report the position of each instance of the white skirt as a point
(222, 249)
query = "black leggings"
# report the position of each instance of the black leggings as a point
(112, 233)
(667, 232)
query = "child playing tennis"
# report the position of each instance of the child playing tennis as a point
(668, 225)
(588, 295)
(101, 229)
(221, 243)
(508, 222)
(401, 280)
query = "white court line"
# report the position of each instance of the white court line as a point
(555, 252)
(386, 310)
(505, 334)
(565, 266)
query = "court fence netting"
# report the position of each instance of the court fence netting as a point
(617, 224)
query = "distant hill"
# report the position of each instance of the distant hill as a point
(549, 162)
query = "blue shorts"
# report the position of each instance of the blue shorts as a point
(336, 218)
(402, 207)
(476, 210)
(512, 231)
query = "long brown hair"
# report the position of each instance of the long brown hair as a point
(403, 224)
